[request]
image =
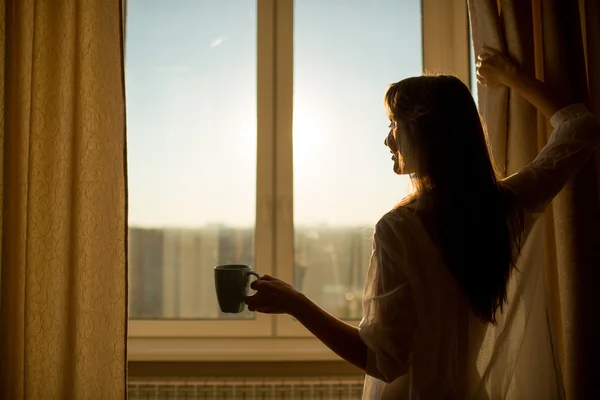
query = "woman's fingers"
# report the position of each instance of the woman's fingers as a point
(481, 79)
(264, 294)
(259, 283)
(272, 295)
(253, 301)
(264, 282)
(263, 302)
(487, 53)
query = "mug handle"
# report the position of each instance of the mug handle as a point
(253, 273)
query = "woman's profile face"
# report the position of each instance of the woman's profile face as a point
(400, 154)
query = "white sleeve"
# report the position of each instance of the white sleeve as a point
(575, 137)
(389, 315)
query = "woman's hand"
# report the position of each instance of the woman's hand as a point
(273, 296)
(495, 69)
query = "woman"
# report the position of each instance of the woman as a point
(443, 257)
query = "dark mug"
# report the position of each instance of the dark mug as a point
(231, 284)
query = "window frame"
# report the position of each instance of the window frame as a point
(445, 37)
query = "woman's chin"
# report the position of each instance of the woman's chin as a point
(401, 169)
(398, 168)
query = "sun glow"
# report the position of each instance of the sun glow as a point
(309, 134)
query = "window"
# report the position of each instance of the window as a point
(192, 142)
(255, 136)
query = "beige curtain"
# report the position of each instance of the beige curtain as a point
(63, 310)
(559, 42)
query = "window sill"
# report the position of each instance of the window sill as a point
(228, 349)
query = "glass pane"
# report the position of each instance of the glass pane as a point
(346, 53)
(472, 68)
(191, 121)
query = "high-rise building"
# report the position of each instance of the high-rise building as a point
(189, 258)
(145, 273)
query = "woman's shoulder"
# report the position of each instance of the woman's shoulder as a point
(410, 224)
(396, 221)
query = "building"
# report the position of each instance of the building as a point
(171, 269)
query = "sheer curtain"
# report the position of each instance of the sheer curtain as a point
(63, 310)
(559, 42)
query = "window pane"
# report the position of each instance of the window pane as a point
(472, 68)
(346, 53)
(191, 116)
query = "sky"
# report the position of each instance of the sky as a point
(191, 109)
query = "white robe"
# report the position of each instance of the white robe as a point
(424, 342)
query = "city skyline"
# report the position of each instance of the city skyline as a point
(172, 269)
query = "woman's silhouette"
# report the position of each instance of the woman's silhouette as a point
(442, 258)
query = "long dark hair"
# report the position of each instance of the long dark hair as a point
(457, 183)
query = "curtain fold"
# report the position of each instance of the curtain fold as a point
(63, 298)
(559, 41)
